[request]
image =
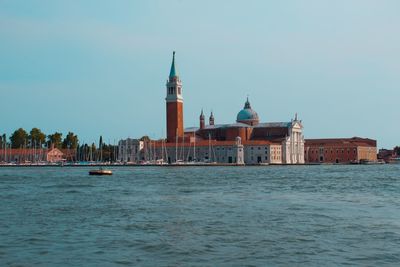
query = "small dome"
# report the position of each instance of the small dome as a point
(247, 115)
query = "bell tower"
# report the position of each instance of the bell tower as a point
(202, 120)
(174, 101)
(211, 120)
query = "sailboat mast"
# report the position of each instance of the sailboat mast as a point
(101, 152)
(194, 147)
(209, 147)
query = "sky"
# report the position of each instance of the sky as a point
(99, 67)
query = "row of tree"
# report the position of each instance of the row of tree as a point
(37, 139)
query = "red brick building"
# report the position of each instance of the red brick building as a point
(340, 150)
(36, 155)
(255, 141)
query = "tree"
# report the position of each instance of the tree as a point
(37, 137)
(19, 138)
(101, 141)
(145, 139)
(2, 139)
(92, 151)
(396, 150)
(54, 139)
(70, 141)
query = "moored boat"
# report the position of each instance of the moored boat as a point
(394, 161)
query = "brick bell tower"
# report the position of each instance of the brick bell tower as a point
(174, 101)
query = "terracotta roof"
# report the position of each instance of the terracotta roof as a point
(30, 151)
(354, 141)
(205, 143)
(23, 151)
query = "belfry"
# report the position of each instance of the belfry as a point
(174, 101)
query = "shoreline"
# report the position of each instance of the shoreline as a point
(176, 165)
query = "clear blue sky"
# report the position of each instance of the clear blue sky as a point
(99, 67)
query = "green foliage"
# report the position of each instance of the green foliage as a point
(19, 138)
(397, 150)
(101, 141)
(70, 141)
(145, 138)
(108, 152)
(54, 139)
(37, 138)
(2, 140)
(85, 152)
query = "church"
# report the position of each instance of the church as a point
(246, 141)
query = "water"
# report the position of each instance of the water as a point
(201, 216)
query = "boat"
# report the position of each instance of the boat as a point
(370, 162)
(100, 172)
(394, 160)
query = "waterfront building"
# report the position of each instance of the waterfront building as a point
(386, 154)
(130, 150)
(340, 150)
(246, 141)
(36, 155)
(55, 155)
(389, 155)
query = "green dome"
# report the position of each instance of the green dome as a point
(247, 115)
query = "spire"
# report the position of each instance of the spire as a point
(211, 120)
(247, 104)
(202, 115)
(202, 122)
(173, 72)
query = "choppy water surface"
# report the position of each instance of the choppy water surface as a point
(201, 216)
